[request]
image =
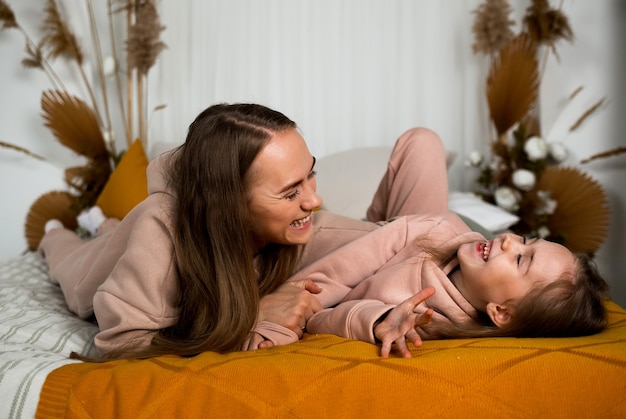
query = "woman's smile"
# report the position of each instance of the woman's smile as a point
(302, 223)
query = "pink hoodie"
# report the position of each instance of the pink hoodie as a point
(369, 276)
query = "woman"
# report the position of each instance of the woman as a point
(203, 260)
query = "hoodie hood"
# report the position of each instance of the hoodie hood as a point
(157, 173)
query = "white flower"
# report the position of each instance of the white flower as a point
(536, 148)
(109, 66)
(558, 151)
(543, 232)
(109, 137)
(548, 204)
(474, 159)
(524, 179)
(507, 198)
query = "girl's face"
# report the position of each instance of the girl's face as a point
(509, 266)
(282, 191)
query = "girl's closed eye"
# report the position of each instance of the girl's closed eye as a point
(519, 257)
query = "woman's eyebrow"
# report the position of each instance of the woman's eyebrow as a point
(297, 183)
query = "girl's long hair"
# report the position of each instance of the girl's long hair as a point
(219, 284)
(568, 306)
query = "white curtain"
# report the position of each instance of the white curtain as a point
(351, 73)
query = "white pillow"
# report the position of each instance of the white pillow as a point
(347, 180)
(490, 216)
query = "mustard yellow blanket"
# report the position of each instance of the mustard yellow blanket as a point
(327, 376)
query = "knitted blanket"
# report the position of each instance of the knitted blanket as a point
(328, 376)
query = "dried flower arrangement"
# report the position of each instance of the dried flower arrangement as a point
(87, 128)
(523, 173)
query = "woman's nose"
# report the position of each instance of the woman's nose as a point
(311, 199)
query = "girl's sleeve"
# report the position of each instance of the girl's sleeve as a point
(138, 297)
(341, 270)
(353, 319)
(367, 294)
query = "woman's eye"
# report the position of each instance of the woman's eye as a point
(519, 259)
(312, 174)
(293, 195)
(524, 239)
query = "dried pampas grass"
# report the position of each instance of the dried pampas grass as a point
(609, 153)
(7, 17)
(58, 38)
(492, 26)
(21, 150)
(546, 26)
(58, 205)
(143, 43)
(582, 214)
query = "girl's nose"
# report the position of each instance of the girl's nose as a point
(507, 239)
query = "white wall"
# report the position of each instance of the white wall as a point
(595, 60)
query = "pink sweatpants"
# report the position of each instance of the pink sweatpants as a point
(416, 179)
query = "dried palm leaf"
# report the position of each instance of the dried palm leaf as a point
(57, 35)
(512, 84)
(52, 205)
(73, 123)
(88, 181)
(582, 213)
(7, 17)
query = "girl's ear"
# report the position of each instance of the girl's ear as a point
(500, 315)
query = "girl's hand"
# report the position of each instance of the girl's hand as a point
(399, 325)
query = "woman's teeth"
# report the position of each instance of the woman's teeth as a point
(486, 250)
(301, 222)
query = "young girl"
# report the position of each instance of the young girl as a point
(201, 263)
(428, 277)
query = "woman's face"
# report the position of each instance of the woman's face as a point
(509, 266)
(282, 191)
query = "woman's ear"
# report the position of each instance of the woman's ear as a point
(500, 315)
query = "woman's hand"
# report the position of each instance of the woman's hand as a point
(291, 305)
(257, 341)
(399, 325)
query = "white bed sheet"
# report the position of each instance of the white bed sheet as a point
(37, 333)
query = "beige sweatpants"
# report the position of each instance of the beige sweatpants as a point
(416, 180)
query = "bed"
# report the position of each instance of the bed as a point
(320, 376)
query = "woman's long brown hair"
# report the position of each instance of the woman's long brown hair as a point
(219, 285)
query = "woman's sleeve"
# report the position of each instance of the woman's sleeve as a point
(138, 298)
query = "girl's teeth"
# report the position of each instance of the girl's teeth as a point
(486, 251)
